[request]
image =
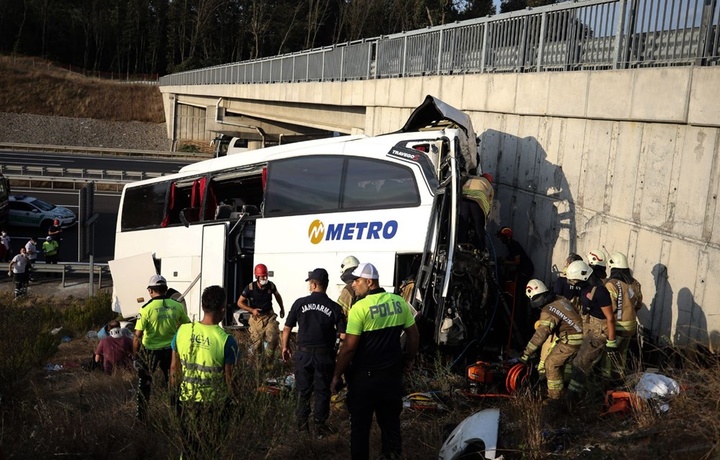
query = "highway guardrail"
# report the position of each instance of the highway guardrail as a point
(103, 151)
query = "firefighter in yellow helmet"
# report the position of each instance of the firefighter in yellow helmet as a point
(626, 296)
(475, 207)
(557, 317)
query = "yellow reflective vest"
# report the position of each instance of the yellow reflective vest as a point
(201, 349)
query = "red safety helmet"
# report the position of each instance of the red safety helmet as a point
(261, 270)
(505, 232)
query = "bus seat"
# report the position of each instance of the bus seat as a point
(223, 211)
(189, 215)
(250, 209)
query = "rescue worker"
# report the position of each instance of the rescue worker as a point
(320, 322)
(475, 206)
(31, 254)
(203, 364)
(55, 230)
(556, 318)
(372, 345)
(347, 295)
(50, 248)
(256, 298)
(597, 259)
(626, 295)
(518, 269)
(599, 329)
(157, 323)
(563, 288)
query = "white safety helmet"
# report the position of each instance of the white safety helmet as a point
(578, 271)
(597, 257)
(348, 262)
(618, 260)
(535, 287)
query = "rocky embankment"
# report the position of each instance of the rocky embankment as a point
(51, 130)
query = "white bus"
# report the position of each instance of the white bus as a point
(297, 207)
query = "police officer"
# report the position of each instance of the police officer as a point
(256, 298)
(372, 344)
(203, 360)
(320, 321)
(158, 321)
(599, 327)
(347, 295)
(556, 318)
(626, 295)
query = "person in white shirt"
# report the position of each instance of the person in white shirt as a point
(19, 268)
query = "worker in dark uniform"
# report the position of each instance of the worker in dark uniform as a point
(562, 287)
(559, 319)
(519, 269)
(597, 259)
(256, 298)
(373, 358)
(599, 328)
(319, 321)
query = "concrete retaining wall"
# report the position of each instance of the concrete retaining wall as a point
(622, 160)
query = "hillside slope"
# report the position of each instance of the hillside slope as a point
(42, 104)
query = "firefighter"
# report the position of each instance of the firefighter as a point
(559, 318)
(347, 295)
(563, 288)
(518, 270)
(626, 296)
(597, 259)
(599, 328)
(475, 207)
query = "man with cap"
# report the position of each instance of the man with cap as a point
(31, 254)
(157, 323)
(373, 358)
(319, 321)
(50, 249)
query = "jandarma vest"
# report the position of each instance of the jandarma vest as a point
(202, 354)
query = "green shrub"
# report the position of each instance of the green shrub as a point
(93, 313)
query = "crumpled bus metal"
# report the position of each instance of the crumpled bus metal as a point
(480, 427)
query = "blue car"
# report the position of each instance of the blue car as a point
(28, 211)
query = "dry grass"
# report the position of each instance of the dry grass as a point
(32, 85)
(76, 413)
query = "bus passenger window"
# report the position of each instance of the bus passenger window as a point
(303, 185)
(144, 206)
(378, 184)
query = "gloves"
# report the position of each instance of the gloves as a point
(524, 359)
(611, 346)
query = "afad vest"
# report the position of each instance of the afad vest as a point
(202, 354)
(627, 300)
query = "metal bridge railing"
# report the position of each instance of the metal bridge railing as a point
(580, 35)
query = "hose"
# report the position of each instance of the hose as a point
(516, 377)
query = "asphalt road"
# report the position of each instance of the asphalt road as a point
(106, 206)
(68, 160)
(106, 203)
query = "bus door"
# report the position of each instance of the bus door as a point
(212, 258)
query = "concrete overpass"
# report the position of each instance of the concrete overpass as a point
(610, 155)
